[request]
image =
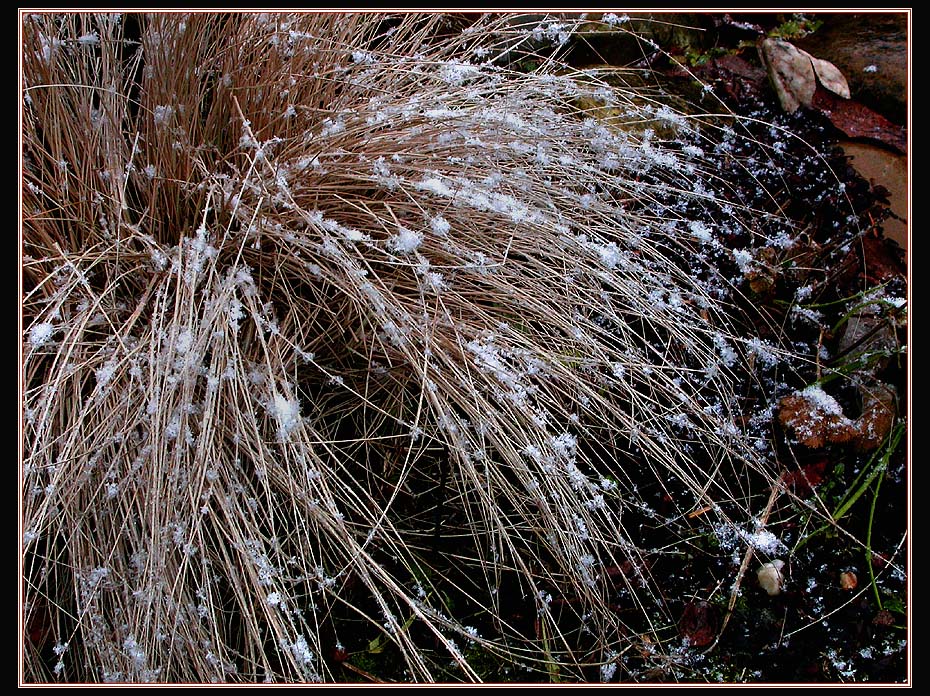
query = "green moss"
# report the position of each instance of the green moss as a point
(797, 27)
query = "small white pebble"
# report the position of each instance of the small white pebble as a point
(771, 578)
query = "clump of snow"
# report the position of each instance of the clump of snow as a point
(41, 334)
(614, 20)
(455, 73)
(764, 541)
(553, 31)
(610, 254)
(733, 538)
(823, 402)
(440, 225)
(763, 351)
(701, 231)
(286, 412)
(405, 241)
(105, 374)
(434, 185)
(300, 649)
(331, 127)
(743, 259)
(162, 114)
(184, 342)
(805, 313)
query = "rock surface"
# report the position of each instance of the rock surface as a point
(871, 51)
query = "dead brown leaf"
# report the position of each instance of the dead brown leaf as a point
(812, 425)
(808, 477)
(859, 121)
(794, 74)
(848, 580)
(698, 623)
(878, 414)
(830, 76)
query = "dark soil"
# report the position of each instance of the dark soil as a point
(842, 615)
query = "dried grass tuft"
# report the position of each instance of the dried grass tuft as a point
(338, 337)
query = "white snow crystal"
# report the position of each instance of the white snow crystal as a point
(822, 401)
(440, 225)
(287, 413)
(405, 241)
(41, 334)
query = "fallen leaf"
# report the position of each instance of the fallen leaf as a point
(848, 580)
(830, 76)
(771, 578)
(763, 274)
(870, 262)
(791, 72)
(859, 121)
(808, 477)
(794, 74)
(867, 332)
(761, 281)
(698, 623)
(812, 424)
(882, 261)
(879, 405)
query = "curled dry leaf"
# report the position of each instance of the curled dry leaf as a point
(763, 275)
(771, 578)
(869, 337)
(815, 418)
(830, 76)
(791, 73)
(878, 413)
(794, 74)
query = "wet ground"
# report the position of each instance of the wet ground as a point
(883, 167)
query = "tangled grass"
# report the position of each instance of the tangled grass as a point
(342, 338)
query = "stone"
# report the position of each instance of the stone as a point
(870, 49)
